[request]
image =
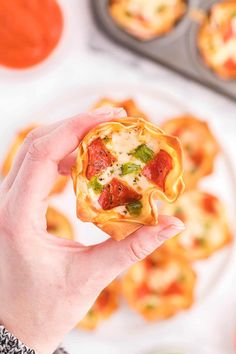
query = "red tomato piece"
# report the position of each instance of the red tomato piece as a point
(99, 158)
(157, 169)
(173, 289)
(117, 193)
(230, 64)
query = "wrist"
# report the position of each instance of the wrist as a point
(34, 339)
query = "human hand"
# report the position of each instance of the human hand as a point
(48, 284)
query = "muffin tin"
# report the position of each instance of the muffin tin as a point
(176, 50)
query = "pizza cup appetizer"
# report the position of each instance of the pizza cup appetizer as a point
(159, 286)
(206, 225)
(58, 224)
(61, 181)
(129, 106)
(217, 39)
(199, 146)
(122, 168)
(105, 305)
(144, 19)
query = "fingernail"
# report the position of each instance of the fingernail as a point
(171, 231)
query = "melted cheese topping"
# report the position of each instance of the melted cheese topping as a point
(225, 52)
(120, 145)
(160, 279)
(149, 9)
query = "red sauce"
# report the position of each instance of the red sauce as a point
(29, 31)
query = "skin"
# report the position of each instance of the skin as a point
(48, 284)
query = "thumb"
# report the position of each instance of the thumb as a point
(114, 257)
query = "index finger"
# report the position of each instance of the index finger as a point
(40, 166)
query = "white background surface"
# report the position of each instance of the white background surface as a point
(75, 64)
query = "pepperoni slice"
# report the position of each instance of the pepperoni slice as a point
(157, 169)
(142, 291)
(230, 64)
(197, 157)
(173, 289)
(228, 33)
(99, 158)
(209, 204)
(103, 299)
(117, 193)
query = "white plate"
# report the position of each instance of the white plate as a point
(126, 328)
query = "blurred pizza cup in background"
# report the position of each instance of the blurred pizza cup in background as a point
(217, 39)
(207, 228)
(146, 20)
(159, 286)
(129, 105)
(103, 308)
(58, 224)
(199, 147)
(122, 168)
(61, 181)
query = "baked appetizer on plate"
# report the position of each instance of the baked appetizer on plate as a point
(122, 168)
(199, 146)
(58, 224)
(206, 225)
(159, 286)
(129, 106)
(217, 39)
(61, 181)
(147, 19)
(105, 305)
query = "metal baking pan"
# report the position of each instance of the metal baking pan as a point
(177, 50)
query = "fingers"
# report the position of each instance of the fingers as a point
(64, 167)
(114, 257)
(39, 168)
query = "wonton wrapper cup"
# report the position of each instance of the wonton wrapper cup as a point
(100, 312)
(110, 221)
(202, 137)
(210, 33)
(60, 182)
(146, 30)
(58, 224)
(129, 105)
(166, 305)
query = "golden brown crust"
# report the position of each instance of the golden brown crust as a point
(216, 37)
(129, 105)
(58, 224)
(160, 286)
(111, 221)
(105, 305)
(207, 229)
(142, 20)
(199, 146)
(61, 181)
